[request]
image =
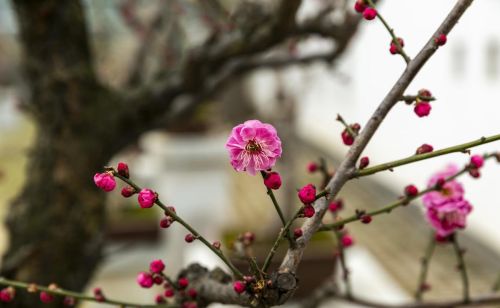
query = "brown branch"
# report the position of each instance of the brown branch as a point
(294, 255)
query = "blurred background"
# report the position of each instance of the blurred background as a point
(330, 63)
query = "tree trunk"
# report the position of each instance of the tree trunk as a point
(56, 224)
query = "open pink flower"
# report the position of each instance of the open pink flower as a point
(253, 146)
(447, 209)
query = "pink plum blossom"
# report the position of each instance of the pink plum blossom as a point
(253, 146)
(447, 209)
(145, 280)
(146, 198)
(105, 181)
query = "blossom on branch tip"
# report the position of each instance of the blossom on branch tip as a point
(272, 180)
(422, 109)
(105, 181)
(146, 198)
(253, 146)
(156, 266)
(369, 13)
(307, 194)
(122, 169)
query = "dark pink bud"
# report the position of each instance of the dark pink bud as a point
(425, 287)
(312, 167)
(165, 222)
(477, 161)
(440, 183)
(297, 233)
(394, 48)
(474, 172)
(145, 280)
(347, 139)
(424, 148)
(364, 162)
(424, 94)
(309, 211)
(105, 181)
(46, 297)
(441, 39)
(189, 238)
(128, 191)
(7, 295)
(123, 170)
(192, 293)
(360, 6)
(183, 282)
(411, 191)
(159, 299)
(272, 180)
(335, 205)
(69, 301)
(369, 13)
(97, 291)
(146, 198)
(366, 219)
(156, 266)
(157, 280)
(189, 305)
(99, 297)
(169, 292)
(239, 286)
(347, 240)
(307, 194)
(422, 109)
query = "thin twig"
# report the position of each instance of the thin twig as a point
(343, 264)
(425, 268)
(461, 267)
(414, 158)
(196, 234)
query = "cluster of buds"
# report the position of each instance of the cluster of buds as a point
(363, 7)
(307, 195)
(422, 103)
(394, 49)
(476, 163)
(348, 135)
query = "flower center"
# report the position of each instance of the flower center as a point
(253, 147)
(447, 192)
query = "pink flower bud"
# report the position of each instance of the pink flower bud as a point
(192, 293)
(477, 161)
(347, 240)
(128, 191)
(189, 238)
(69, 301)
(123, 170)
(424, 94)
(46, 297)
(105, 181)
(272, 180)
(157, 280)
(307, 194)
(347, 139)
(183, 282)
(474, 172)
(359, 6)
(156, 266)
(364, 162)
(145, 280)
(159, 299)
(165, 222)
(369, 13)
(335, 205)
(7, 295)
(441, 39)
(312, 167)
(169, 292)
(394, 48)
(297, 233)
(424, 148)
(239, 286)
(366, 219)
(422, 109)
(309, 211)
(146, 198)
(411, 191)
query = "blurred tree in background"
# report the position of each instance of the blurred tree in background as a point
(188, 52)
